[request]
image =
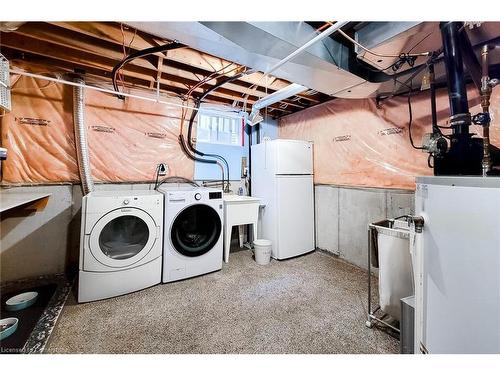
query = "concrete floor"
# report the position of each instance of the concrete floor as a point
(310, 304)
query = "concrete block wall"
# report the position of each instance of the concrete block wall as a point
(37, 244)
(342, 215)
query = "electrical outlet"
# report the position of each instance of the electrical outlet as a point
(162, 169)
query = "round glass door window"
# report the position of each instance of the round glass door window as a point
(123, 237)
(196, 230)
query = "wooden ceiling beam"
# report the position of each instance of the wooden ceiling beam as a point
(97, 52)
(96, 75)
(52, 34)
(142, 80)
(137, 69)
(111, 32)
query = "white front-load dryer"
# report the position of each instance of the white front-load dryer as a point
(193, 225)
(120, 243)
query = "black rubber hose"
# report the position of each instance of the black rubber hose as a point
(193, 116)
(191, 156)
(198, 103)
(410, 115)
(202, 154)
(141, 53)
(182, 142)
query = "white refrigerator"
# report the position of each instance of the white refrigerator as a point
(282, 177)
(458, 308)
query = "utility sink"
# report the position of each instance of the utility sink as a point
(239, 198)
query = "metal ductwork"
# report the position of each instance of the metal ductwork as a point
(333, 66)
(82, 150)
(261, 45)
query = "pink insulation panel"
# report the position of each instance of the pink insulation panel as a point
(358, 144)
(127, 138)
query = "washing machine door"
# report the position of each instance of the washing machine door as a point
(195, 230)
(123, 237)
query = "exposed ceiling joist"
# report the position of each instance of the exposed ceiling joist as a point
(96, 47)
(111, 32)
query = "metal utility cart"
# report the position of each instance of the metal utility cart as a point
(396, 278)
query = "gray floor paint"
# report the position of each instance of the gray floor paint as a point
(310, 304)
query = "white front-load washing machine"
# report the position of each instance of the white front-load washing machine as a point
(120, 243)
(193, 225)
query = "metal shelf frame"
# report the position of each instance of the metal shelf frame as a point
(371, 313)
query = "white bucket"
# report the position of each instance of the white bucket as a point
(262, 251)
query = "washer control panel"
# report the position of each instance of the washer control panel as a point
(215, 195)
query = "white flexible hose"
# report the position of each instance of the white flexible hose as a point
(82, 151)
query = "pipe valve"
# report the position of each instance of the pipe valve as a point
(418, 222)
(482, 118)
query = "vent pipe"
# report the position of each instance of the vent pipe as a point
(254, 118)
(82, 151)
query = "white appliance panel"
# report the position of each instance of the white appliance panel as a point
(177, 266)
(132, 263)
(461, 270)
(99, 285)
(295, 216)
(293, 157)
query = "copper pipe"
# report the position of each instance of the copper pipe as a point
(321, 28)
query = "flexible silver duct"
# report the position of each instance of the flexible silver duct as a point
(82, 150)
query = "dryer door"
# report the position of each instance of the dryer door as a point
(195, 230)
(123, 237)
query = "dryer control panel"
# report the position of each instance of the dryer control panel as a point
(104, 201)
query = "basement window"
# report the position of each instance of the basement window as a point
(223, 127)
(220, 130)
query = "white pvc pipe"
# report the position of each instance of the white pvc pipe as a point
(75, 84)
(298, 51)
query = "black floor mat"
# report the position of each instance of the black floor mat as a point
(28, 317)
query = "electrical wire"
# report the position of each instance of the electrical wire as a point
(393, 65)
(141, 53)
(380, 54)
(177, 179)
(201, 83)
(131, 41)
(157, 175)
(410, 113)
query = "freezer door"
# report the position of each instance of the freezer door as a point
(295, 216)
(294, 157)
